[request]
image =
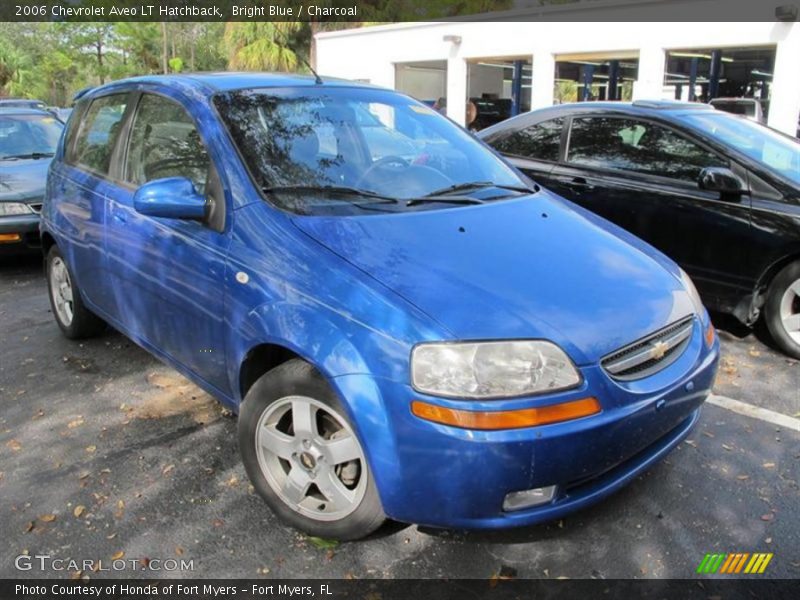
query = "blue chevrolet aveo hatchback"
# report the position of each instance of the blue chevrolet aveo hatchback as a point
(406, 326)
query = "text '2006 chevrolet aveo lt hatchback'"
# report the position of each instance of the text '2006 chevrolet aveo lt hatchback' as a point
(406, 327)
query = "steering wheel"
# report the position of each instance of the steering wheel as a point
(382, 162)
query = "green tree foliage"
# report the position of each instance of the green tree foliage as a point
(262, 46)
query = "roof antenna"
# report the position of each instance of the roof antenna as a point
(317, 78)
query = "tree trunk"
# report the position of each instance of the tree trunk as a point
(99, 47)
(164, 60)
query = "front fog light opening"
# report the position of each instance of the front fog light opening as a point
(528, 498)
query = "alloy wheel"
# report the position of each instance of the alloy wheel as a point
(790, 311)
(311, 458)
(61, 291)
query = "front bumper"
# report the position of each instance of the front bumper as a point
(23, 227)
(442, 476)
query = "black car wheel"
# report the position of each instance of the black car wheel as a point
(782, 309)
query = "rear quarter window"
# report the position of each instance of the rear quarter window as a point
(541, 141)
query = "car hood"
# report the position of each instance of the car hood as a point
(537, 267)
(23, 179)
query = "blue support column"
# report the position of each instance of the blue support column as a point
(588, 77)
(516, 89)
(692, 79)
(716, 71)
(613, 80)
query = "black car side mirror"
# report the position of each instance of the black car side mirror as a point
(720, 179)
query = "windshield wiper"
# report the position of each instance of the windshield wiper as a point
(331, 189)
(32, 155)
(444, 200)
(458, 187)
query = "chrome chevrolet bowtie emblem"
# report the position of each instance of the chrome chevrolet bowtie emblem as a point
(658, 350)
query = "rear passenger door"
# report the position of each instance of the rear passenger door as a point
(169, 273)
(80, 185)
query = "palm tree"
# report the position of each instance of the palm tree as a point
(261, 46)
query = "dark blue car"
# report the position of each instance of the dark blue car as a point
(28, 140)
(415, 333)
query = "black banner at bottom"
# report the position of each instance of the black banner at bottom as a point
(399, 589)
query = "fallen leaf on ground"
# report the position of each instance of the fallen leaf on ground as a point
(726, 447)
(166, 470)
(742, 477)
(768, 465)
(91, 448)
(79, 510)
(29, 527)
(75, 423)
(322, 543)
(14, 445)
(47, 518)
(767, 517)
(117, 555)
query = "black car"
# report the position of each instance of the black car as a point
(716, 192)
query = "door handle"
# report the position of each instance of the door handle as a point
(582, 184)
(119, 217)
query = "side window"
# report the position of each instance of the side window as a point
(638, 146)
(99, 131)
(164, 142)
(541, 141)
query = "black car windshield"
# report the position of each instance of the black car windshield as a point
(777, 152)
(28, 136)
(378, 141)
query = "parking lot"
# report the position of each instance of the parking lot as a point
(106, 454)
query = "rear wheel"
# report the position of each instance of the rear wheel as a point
(303, 456)
(782, 309)
(75, 320)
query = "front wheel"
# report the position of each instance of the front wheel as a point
(75, 320)
(782, 309)
(303, 457)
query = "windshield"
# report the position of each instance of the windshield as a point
(28, 136)
(368, 140)
(777, 152)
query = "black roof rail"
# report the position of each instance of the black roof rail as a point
(671, 105)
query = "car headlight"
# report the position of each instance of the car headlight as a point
(8, 209)
(491, 369)
(693, 293)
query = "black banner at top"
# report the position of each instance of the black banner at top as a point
(389, 11)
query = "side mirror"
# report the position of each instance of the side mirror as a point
(172, 198)
(720, 179)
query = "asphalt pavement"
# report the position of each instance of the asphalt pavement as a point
(106, 454)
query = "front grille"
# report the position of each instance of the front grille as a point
(650, 354)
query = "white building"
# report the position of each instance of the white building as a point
(524, 63)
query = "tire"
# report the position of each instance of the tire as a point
(304, 478)
(73, 318)
(782, 309)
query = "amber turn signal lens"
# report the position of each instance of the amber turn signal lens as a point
(710, 335)
(506, 419)
(10, 237)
